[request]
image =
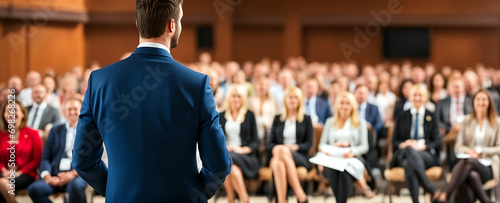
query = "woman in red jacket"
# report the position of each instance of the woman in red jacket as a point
(20, 155)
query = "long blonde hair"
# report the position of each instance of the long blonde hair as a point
(355, 120)
(242, 91)
(300, 110)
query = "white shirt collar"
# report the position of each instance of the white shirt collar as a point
(41, 106)
(362, 106)
(420, 111)
(68, 128)
(154, 45)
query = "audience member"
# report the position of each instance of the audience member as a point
(263, 106)
(417, 142)
(316, 107)
(32, 78)
(289, 142)
(50, 83)
(437, 87)
(347, 130)
(16, 84)
(277, 90)
(240, 128)
(41, 115)
(57, 173)
(479, 144)
(27, 147)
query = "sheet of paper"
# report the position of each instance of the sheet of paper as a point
(333, 150)
(336, 163)
(485, 162)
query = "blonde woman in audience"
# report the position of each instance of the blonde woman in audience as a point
(240, 128)
(289, 143)
(346, 131)
(263, 106)
(384, 99)
(240, 79)
(478, 143)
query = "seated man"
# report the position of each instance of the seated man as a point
(57, 174)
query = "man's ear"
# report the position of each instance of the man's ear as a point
(171, 26)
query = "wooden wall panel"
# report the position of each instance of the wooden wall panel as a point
(462, 47)
(107, 43)
(254, 43)
(58, 46)
(13, 56)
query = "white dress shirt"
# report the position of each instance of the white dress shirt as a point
(311, 109)
(421, 115)
(362, 110)
(68, 146)
(457, 116)
(154, 45)
(289, 132)
(36, 123)
(25, 97)
(233, 129)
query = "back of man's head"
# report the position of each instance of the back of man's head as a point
(152, 16)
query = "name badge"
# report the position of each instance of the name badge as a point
(65, 164)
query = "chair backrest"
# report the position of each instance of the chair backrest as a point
(316, 138)
(390, 149)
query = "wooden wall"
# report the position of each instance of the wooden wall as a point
(59, 34)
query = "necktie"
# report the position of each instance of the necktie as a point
(34, 117)
(308, 112)
(415, 130)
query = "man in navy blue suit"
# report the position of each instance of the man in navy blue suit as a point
(374, 121)
(316, 107)
(150, 111)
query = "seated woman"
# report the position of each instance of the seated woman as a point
(289, 143)
(28, 150)
(242, 142)
(346, 130)
(478, 139)
(417, 142)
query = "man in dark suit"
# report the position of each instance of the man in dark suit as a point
(57, 175)
(40, 114)
(151, 111)
(317, 107)
(450, 113)
(374, 122)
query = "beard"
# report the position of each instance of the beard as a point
(175, 40)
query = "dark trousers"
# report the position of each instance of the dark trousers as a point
(40, 191)
(469, 175)
(341, 183)
(415, 163)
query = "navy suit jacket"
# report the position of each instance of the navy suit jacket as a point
(150, 111)
(53, 151)
(322, 109)
(372, 116)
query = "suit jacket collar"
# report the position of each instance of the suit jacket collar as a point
(471, 130)
(151, 51)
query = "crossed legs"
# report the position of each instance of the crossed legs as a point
(284, 171)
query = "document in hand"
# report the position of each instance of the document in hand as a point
(484, 162)
(334, 160)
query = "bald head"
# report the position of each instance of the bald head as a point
(33, 78)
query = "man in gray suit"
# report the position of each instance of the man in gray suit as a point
(451, 112)
(40, 114)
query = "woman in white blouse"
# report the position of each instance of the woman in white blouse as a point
(263, 105)
(346, 130)
(289, 143)
(478, 147)
(240, 129)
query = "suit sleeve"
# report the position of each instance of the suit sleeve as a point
(493, 148)
(308, 138)
(397, 135)
(47, 152)
(212, 144)
(36, 154)
(87, 151)
(378, 125)
(271, 140)
(437, 140)
(460, 146)
(362, 146)
(254, 139)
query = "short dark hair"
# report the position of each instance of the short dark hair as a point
(152, 16)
